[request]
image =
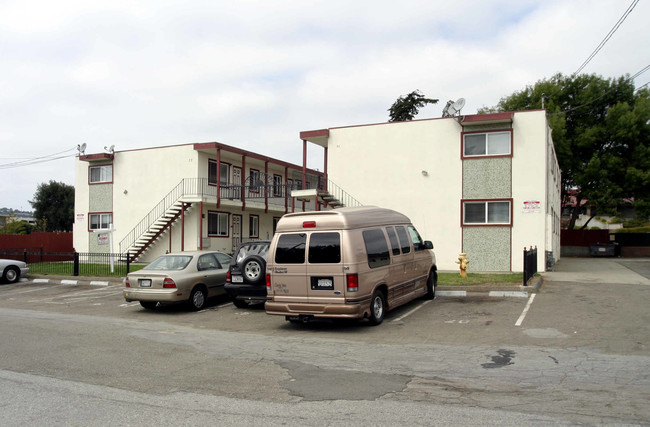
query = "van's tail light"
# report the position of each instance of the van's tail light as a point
(268, 283)
(168, 283)
(127, 283)
(309, 224)
(353, 282)
(228, 277)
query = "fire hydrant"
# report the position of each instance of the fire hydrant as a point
(463, 262)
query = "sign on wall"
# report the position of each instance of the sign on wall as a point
(532, 206)
(102, 239)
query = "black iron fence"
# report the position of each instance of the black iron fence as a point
(530, 264)
(71, 263)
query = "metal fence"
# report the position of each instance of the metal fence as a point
(71, 263)
(530, 264)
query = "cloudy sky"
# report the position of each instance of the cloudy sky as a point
(253, 74)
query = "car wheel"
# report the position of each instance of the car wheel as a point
(239, 303)
(377, 308)
(432, 282)
(149, 305)
(11, 274)
(253, 269)
(198, 298)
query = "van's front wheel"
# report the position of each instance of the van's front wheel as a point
(432, 282)
(377, 308)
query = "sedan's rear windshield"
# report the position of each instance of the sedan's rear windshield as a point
(169, 262)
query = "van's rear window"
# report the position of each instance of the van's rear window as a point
(376, 247)
(291, 249)
(325, 248)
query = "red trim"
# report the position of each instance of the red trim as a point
(314, 133)
(93, 157)
(98, 213)
(100, 182)
(491, 117)
(483, 156)
(462, 217)
(227, 227)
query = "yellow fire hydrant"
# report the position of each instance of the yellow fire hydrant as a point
(463, 262)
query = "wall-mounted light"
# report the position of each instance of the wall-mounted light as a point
(425, 173)
(126, 192)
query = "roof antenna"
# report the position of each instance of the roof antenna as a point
(453, 108)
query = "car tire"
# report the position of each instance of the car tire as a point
(252, 269)
(239, 303)
(377, 308)
(149, 305)
(432, 282)
(11, 274)
(198, 298)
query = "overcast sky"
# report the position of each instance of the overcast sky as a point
(253, 74)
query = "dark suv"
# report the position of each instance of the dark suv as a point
(245, 280)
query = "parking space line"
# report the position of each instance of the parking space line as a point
(451, 293)
(523, 314)
(412, 311)
(31, 290)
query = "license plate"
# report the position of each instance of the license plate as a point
(145, 283)
(322, 283)
(237, 279)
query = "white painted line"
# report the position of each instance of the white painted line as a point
(99, 283)
(523, 314)
(130, 304)
(517, 294)
(451, 293)
(69, 282)
(34, 290)
(412, 311)
(41, 280)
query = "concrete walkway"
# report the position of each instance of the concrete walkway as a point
(632, 271)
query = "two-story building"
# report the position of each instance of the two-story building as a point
(487, 185)
(185, 197)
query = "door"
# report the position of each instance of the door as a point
(236, 231)
(236, 182)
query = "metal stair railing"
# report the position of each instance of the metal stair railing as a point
(344, 198)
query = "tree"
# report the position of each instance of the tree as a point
(406, 107)
(54, 206)
(601, 134)
(17, 227)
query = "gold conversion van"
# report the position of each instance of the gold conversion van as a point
(347, 263)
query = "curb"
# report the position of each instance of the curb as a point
(520, 291)
(66, 280)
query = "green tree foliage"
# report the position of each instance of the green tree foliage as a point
(17, 227)
(54, 206)
(601, 132)
(406, 107)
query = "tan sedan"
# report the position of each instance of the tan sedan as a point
(186, 276)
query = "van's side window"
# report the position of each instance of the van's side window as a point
(325, 248)
(418, 244)
(376, 247)
(394, 244)
(403, 239)
(291, 249)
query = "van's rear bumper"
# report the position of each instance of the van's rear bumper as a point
(343, 311)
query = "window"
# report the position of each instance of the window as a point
(418, 244)
(169, 262)
(486, 144)
(212, 172)
(325, 248)
(101, 174)
(218, 224)
(255, 180)
(254, 226)
(376, 247)
(224, 173)
(403, 239)
(208, 262)
(275, 223)
(394, 244)
(100, 221)
(291, 249)
(489, 212)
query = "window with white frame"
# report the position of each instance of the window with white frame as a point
(224, 173)
(99, 221)
(218, 224)
(277, 185)
(487, 212)
(254, 226)
(101, 174)
(255, 180)
(486, 144)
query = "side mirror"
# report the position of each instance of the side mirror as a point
(428, 244)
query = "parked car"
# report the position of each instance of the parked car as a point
(12, 270)
(245, 282)
(185, 276)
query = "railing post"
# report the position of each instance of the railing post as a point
(25, 256)
(128, 263)
(76, 264)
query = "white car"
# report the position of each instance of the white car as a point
(12, 270)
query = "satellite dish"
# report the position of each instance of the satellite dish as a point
(110, 149)
(453, 107)
(82, 148)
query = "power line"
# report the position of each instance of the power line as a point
(37, 160)
(607, 37)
